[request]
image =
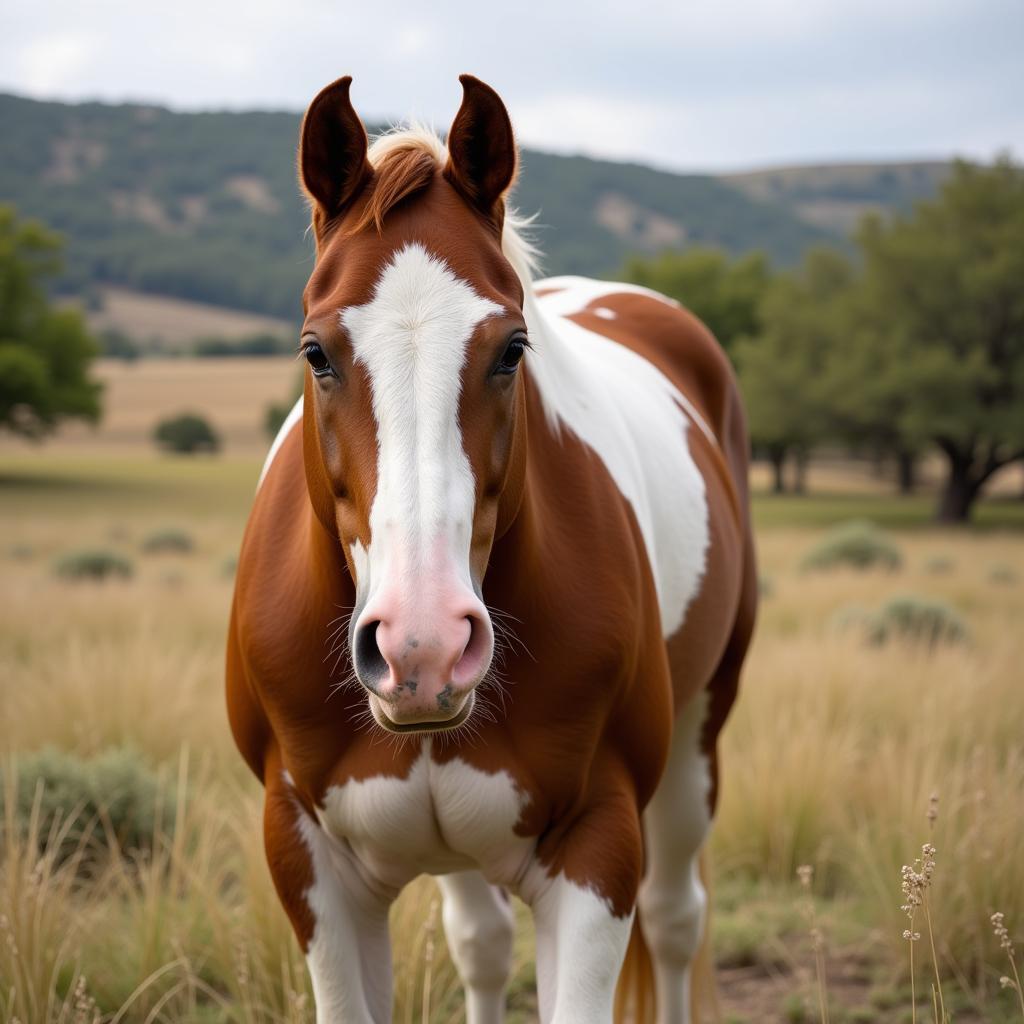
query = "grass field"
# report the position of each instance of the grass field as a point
(830, 759)
(232, 393)
(177, 322)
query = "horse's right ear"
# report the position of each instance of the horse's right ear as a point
(332, 151)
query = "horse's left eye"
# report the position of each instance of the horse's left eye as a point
(318, 361)
(513, 354)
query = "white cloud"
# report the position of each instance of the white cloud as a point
(695, 83)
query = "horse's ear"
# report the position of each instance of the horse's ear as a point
(481, 148)
(332, 151)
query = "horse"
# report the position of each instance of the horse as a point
(494, 593)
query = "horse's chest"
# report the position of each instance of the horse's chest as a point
(440, 818)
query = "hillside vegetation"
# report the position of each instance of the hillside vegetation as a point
(205, 207)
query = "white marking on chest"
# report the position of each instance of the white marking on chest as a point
(632, 416)
(412, 338)
(440, 818)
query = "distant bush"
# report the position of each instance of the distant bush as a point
(186, 434)
(116, 790)
(21, 552)
(168, 541)
(274, 417)
(253, 345)
(919, 620)
(909, 619)
(116, 344)
(229, 567)
(1004, 574)
(939, 565)
(96, 564)
(858, 544)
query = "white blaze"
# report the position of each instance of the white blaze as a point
(412, 338)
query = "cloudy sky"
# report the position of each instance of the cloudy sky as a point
(695, 85)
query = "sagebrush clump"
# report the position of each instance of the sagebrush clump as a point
(169, 541)
(858, 544)
(911, 619)
(112, 798)
(97, 564)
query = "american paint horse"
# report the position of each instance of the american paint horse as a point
(494, 593)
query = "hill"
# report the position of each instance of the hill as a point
(204, 206)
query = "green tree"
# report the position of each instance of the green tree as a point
(944, 315)
(45, 353)
(726, 294)
(784, 369)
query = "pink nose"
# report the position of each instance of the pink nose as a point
(422, 665)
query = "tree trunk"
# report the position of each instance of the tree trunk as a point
(800, 477)
(777, 457)
(906, 466)
(958, 493)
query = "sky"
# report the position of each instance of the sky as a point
(709, 85)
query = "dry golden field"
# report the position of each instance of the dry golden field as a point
(232, 393)
(830, 760)
(177, 322)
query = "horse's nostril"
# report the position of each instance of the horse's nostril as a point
(369, 661)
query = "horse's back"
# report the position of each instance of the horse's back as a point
(681, 347)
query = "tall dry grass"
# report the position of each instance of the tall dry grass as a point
(836, 745)
(829, 760)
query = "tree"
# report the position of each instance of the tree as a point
(944, 302)
(725, 294)
(45, 353)
(783, 370)
(186, 434)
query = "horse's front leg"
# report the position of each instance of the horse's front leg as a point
(341, 919)
(583, 914)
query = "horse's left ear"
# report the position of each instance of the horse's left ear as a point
(481, 148)
(333, 167)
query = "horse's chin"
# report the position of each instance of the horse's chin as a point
(379, 711)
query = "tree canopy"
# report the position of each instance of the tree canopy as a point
(726, 294)
(942, 311)
(45, 353)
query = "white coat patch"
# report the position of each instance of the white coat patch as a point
(440, 818)
(633, 417)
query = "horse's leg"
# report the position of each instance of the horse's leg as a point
(582, 934)
(480, 929)
(341, 922)
(672, 900)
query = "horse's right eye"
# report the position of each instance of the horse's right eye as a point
(318, 361)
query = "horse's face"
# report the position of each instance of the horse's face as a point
(413, 336)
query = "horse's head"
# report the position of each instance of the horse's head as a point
(412, 431)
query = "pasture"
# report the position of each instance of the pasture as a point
(830, 760)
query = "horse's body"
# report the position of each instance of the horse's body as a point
(610, 527)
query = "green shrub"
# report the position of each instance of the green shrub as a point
(274, 417)
(909, 619)
(115, 795)
(939, 565)
(168, 541)
(21, 552)
(919, 620)
(186, 434)
(229, 567)
(858, 544)
(95, 564)
(1004, 574)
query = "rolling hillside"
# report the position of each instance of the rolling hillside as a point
(204, 206)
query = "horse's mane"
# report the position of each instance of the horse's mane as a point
(405, 160)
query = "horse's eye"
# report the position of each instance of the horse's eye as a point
(318, 361)
(513, 354)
